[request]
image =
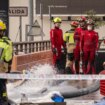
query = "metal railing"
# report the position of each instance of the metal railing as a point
(29, 47)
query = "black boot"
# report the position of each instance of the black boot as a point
(68, 70)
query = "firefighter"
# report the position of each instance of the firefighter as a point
(70, 45)
(57, 43)
(89, 47)
(77, 37)
(5, 61)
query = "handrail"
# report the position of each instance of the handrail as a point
(35, 46)
(29, 47)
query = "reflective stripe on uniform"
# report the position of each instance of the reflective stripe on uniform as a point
(1, 51)
(4, 94)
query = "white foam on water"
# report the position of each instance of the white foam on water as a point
(32, 88)
(38, 90)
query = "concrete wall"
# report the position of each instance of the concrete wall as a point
(21, 62)
(14, 23)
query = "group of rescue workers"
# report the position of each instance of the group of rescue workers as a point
(80, 43)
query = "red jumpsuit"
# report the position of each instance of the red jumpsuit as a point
(56, 37)
(89, 45)
(77, 36)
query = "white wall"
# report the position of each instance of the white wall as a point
(46, 26)
(14, 23)
(101, 31)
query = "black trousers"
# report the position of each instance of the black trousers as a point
(3, 92)
(60, 64)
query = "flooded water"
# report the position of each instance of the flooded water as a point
(32, 88)
(39, 90)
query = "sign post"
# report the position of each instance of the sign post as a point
(19, 11)
(20, 28)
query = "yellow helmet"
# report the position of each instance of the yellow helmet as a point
(2, 25)
(57, 20)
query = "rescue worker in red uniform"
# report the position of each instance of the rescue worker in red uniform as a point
(70, 45)
(89, 47)
(77, 34)
(57, 43)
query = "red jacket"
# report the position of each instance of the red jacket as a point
(56, 37)
(77, 35)
(89, 41)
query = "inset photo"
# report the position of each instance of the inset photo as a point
(49, 48)
(68, 34)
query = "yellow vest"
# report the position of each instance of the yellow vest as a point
(6, 54)
(69, 37)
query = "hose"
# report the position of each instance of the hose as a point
(94, 87)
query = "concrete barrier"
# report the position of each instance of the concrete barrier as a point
(24, 61)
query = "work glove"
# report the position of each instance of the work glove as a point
(57, 98)
(64, 50)
(54, 50)
(3, 67)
